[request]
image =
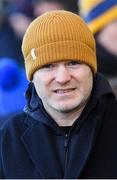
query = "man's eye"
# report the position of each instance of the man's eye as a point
(48, 66)
(73, 63)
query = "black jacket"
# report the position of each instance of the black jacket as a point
(34, 146)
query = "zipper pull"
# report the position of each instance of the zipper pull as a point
(66, 141)
(66, 151)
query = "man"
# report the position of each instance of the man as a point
(68, 129)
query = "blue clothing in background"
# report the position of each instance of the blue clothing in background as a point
(13, 84)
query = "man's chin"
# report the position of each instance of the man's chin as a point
(66, 109)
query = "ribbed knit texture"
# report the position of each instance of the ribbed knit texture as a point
(57, 36)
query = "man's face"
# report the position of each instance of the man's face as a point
(63, 86)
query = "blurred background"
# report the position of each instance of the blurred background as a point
(101, 17)
(16, 15)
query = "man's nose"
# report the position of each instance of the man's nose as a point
(62, 75)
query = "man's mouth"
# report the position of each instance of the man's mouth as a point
(64, 91)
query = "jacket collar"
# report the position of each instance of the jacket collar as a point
(46, 161)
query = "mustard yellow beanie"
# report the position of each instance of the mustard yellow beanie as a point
(57, 36)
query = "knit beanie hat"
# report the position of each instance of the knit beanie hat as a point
(57, 36)
(98, 13)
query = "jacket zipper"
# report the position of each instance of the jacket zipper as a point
(66, 151)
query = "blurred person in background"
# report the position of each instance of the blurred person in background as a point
(13, 23)
(20, 15)
(23, 6)
(13, 84)
(42, 6)
(101, 17)
(9, 44)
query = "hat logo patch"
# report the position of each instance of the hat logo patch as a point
(33, 53)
